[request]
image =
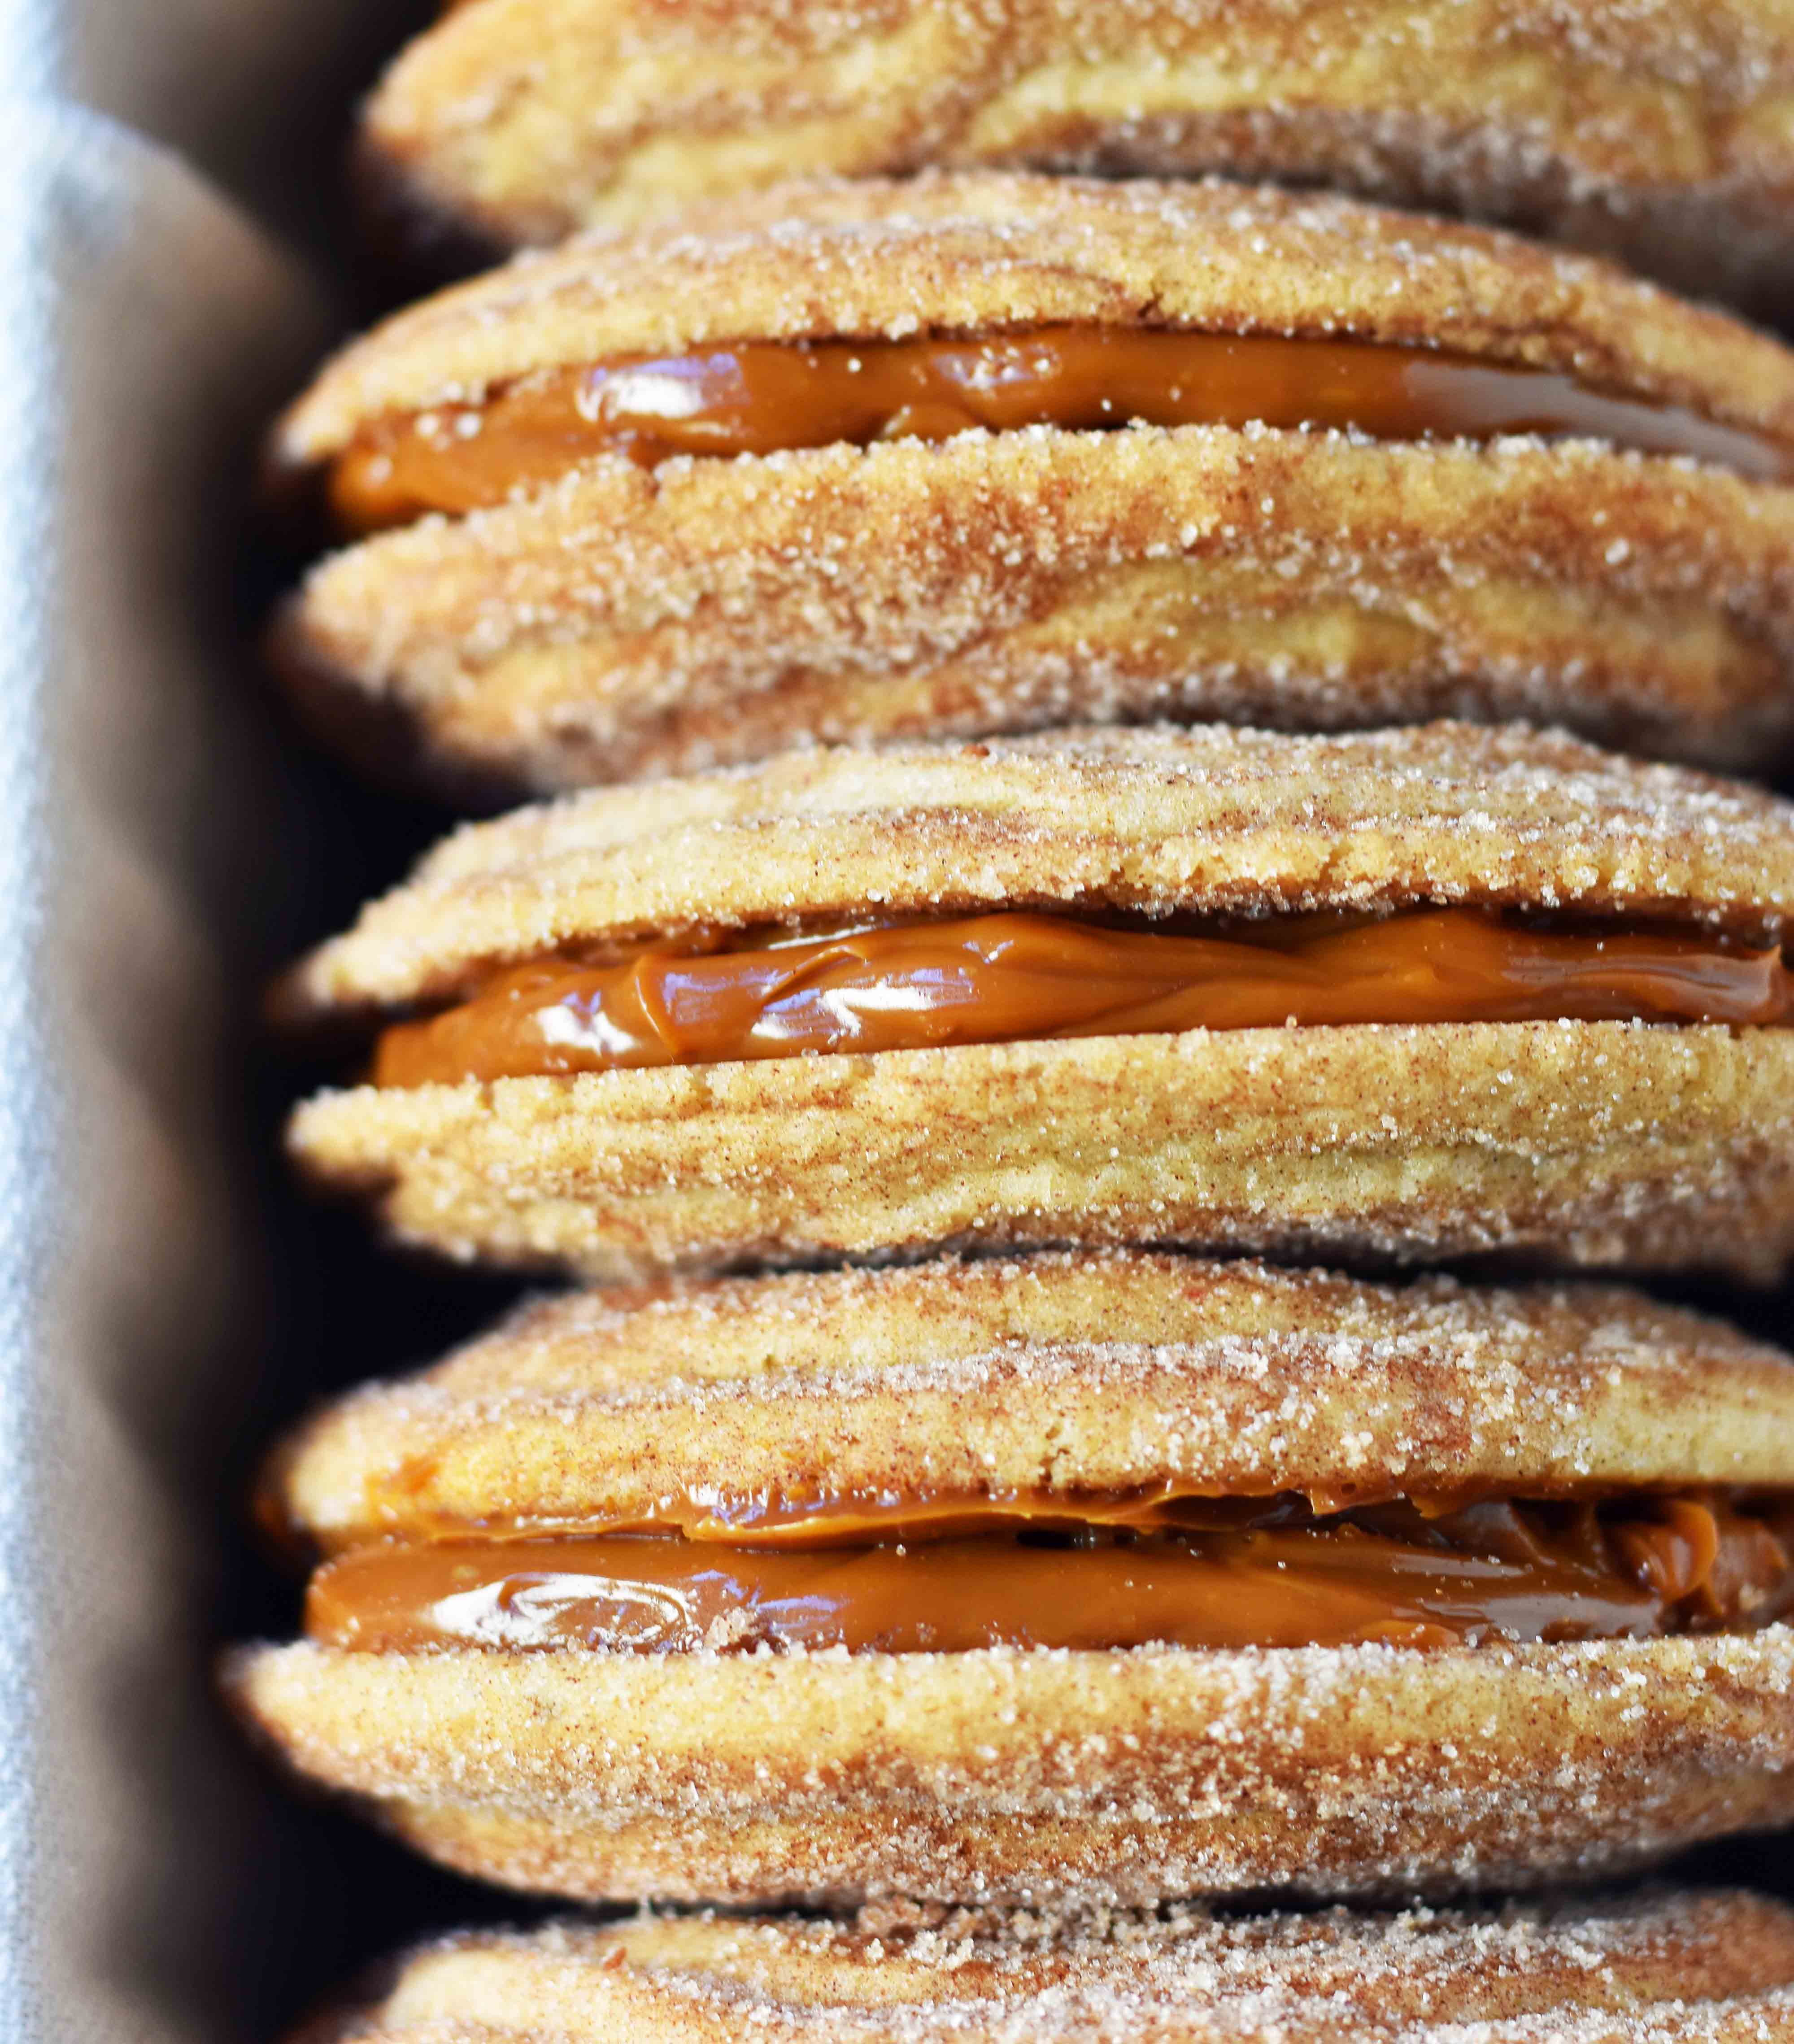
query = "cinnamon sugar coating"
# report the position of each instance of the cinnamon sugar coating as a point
(1111, 1776)
(1656, 130)
(1631, 1971)
(624, 624)
(1060, 1374)
(989, 252)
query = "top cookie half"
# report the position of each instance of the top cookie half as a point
(983, 451)
(1658, 131)
(1635, 1971)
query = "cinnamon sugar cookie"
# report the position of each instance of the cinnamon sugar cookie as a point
(1116, 1577)
(1415, 994)
(1662, 1969)
(1658, 131)
(986, 452)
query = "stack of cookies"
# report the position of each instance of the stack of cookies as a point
(1112, 772)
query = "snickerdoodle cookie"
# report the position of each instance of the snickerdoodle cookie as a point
(988, 452)
(1411, 994)
(1110, 1576)
(1662, 1968)
(1660, 131)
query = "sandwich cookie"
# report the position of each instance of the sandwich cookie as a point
(1660, 132)
(988, 452)
(1108, 1576)
(1660, 1969)
(1412, 994)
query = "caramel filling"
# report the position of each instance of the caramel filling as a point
(776, 1519)
(1639, 1566)
(1002, 978)
(759, 397)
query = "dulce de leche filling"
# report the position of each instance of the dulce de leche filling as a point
(1270, 1574)
(1003, 977)
(761, 397)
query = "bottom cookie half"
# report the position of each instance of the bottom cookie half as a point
(1118, 1777)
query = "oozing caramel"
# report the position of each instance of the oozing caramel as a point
(760, 397)
(1639, 1566)
(1003, 978)
(795, 1521)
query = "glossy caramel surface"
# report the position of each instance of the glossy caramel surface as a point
(1005, 978)
(1496, 1571)
(761, 397)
